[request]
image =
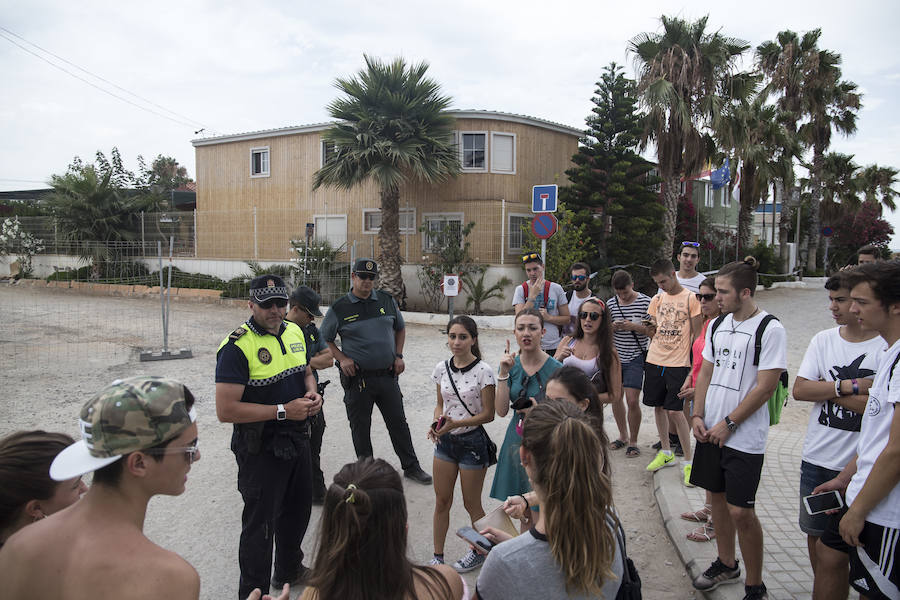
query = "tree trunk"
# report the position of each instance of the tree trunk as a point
(671, 188)
(782, 225)
(389, 244)
(815, 207)
(748, 203)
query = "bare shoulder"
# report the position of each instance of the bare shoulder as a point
(453, 580)
(170, 576)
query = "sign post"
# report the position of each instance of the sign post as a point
(543, 226)
(451, 290)
(544, 202)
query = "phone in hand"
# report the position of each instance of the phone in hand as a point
(819, 503)
(522, 402)
(439, 423)
(473, 537)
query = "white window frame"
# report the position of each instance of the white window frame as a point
(403, 230)
(322, 143)
(454, 216)
(514, 149)
(710, 200)
(487, 149)
(509, 229)
(268, 161)
(726, 197)
(321, 234)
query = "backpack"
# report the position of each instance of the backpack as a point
(779, 397)
(546, 291)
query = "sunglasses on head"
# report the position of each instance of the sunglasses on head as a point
(707, 297)
(579, 277)
(532, 256)
(279, 302)
(691, 244)
(366, 276)
(594, 316)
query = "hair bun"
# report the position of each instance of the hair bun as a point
(751, 262)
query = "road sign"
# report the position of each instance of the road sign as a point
(544, 225)
(451, 285)
(827, 231)
(543, 198)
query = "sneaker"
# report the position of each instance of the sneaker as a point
(436, 560)
(657, 446)
(471, 561)
(677, 450)
(302, 574)
(417, 474)
(717, 574)
(756, 592)
(662, 460)
(687, 476)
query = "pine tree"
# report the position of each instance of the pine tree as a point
(612, 189)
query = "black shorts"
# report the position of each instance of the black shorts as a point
(662, 384)
(727, 470)
(874, 566)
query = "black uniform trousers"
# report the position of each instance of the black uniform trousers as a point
(277, 495)
(316, 433)
(361, 393)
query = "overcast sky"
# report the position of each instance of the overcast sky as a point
(233, 67)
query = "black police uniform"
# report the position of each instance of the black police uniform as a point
(314, 345)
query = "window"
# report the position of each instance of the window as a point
(372, 221)
(332, 228)
(726, 197)
(327, 151)
(259, 162)
(503, 153)
(516, 234)
(438, 225)
(710, 200)
(473, 146)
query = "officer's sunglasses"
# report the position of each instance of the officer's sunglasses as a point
(279, 302)
(365, 276)
(192, 451)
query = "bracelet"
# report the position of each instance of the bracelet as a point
(698, 417)
(527, 505)
(855, 386)
(837, 388)
(502, 378)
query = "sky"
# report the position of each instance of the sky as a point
(226, 67)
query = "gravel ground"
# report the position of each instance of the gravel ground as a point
(58, 347)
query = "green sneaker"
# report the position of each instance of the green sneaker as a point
(687, 475)
(661, 460)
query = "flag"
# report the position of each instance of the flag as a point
(720, 177)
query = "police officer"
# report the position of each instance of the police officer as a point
(263, 386)
(304, 306)
(370, 359)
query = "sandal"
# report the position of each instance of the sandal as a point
(704, 533)
(616, 445)
(632, 452)
(698, 516)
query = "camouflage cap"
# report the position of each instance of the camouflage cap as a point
(127, 415)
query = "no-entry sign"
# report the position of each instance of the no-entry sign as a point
(544, 225)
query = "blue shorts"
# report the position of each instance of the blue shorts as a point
(468, 450)
(811, 477)
(633, 373)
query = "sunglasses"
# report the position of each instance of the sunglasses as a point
(707, 297)
(579, 277)
(691, 244)
(192, 451)
(532, 256)
(365, 276)
(594, 316)
(279, 302)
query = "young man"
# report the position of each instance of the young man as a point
(731, 423)
(869, 528)
(139, 437)
(687, 274)
(626, 309)
(866, 254)
(580, 275)
(546, 296)
(835, 374)
(675, 321)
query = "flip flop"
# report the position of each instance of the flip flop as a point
(698, 516)
(632, 452)
(704, 533)
(616, 445)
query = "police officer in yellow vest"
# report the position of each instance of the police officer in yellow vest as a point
(264, 387)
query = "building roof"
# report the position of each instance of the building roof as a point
(459, 114)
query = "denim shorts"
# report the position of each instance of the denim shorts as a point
(633, 373)
(811, 477)
(468, 450)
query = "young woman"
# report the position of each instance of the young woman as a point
(572, 551)
(361, 550)
(521, 376)
(591, 350)
(465, 402)
(27, 494)
(710, 309)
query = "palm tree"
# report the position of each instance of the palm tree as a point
(685, 78)
(393, 128)
(876, 185)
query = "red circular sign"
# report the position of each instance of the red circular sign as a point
(544, 225)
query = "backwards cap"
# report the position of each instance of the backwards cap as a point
(127, 415)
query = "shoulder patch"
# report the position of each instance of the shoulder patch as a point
(237, 333)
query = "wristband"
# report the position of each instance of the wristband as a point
(502, 378)
(698, 417)
(527, 505)
(837, 388)
(855, 386)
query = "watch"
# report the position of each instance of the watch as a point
(398, 355)
(732, 426)
(280, 413)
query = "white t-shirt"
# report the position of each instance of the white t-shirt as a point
(832, 432)
(469, 381)
(690, 283)
(734, 376)
(557, 298)
(873, 437)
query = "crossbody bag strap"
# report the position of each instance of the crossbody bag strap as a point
(633, 334)
(620, 540)
(456, 391)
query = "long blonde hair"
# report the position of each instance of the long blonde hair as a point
(576, 496)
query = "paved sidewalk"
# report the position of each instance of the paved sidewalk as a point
(786, 570)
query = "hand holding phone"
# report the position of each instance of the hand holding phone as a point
(439, 423)
(822, 503)
(473, 537)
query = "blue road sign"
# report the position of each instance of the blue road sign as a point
(543, 198)
(544, 225)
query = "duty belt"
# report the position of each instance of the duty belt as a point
(374, 372)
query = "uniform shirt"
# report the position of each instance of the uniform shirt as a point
(670, 346)
(314, 345)
(873, 437)
(557, 298)
(833, 431)
(627, 347)
(734, 376)
(367, 328)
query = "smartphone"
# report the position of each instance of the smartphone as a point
(473, 537)
(819, 503)
(439, 423)
(521, 403)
